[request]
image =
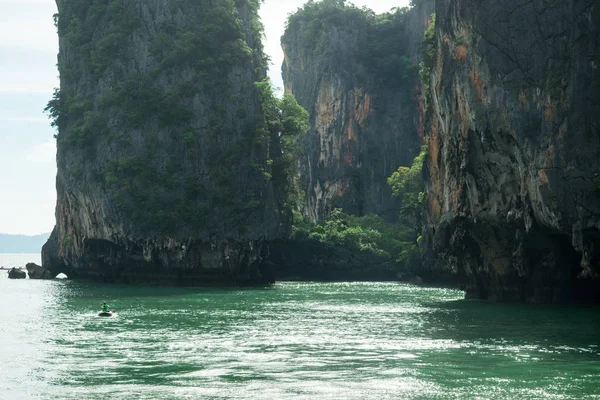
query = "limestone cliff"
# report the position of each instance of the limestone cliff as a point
(164, 156)
(513, 199)
(357, 75)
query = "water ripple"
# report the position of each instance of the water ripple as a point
(291, 341)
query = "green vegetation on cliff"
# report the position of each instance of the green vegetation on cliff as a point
(286, 121)
(168, 122)
(369, 234)
(210, 48)
(407, 183)
(428, 51)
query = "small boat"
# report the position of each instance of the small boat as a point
(105, 314)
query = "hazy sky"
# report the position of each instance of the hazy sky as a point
(28, 47)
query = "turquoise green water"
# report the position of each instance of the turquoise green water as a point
(290, 341)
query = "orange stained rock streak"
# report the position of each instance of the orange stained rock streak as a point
(361, 102)
(478, 84)
(327, 105)
(350, 134)
(351, 109)
(419, 96)
(287, 60)
(438, 66)
(562, 130)
(506, 117)
(456, 196)
(433, 151)
(362, 105)
(543, 177)
(347, 157)
(523, 98)
(434, 206)
(461, 52)
(434, 148)
(549, 109)
(462, 108)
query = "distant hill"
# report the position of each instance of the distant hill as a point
(22, 243)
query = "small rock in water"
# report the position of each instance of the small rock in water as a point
(61, 276)
(37, 272)
(16, 274)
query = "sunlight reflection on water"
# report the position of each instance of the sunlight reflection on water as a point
(293, 340)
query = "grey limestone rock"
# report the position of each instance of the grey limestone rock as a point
(513, 205)
(365, 121)
(37, 272)
(163, 150)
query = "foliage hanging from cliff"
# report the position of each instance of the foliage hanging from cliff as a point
(407, 184)
(381, 45)
(286, 121)
(428, 51)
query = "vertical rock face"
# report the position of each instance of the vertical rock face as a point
(513, 191)
(163, 152)
(357, 75)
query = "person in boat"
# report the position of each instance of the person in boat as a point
(105, 307)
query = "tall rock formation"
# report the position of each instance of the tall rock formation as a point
(357, 75)
(513, 199)
(164, 156)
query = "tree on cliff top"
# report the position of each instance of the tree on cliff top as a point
(380, 38)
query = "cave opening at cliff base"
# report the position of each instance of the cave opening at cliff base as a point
(556, 273)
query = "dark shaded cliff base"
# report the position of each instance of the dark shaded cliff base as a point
(307, 260)
(549, 270)
(194, 264)
(287, 260)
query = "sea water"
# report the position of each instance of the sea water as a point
(289, 341)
